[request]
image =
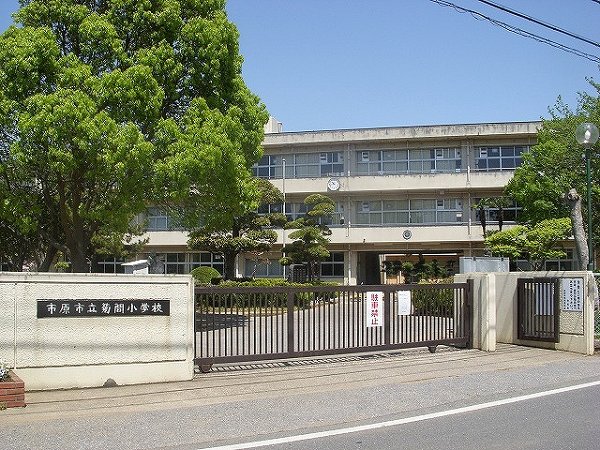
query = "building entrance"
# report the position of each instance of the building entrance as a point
(369, 268)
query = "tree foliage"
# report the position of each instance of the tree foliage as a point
(535, 243)
(106, 106)
(556, 165)
(311, 235)
(250, 232)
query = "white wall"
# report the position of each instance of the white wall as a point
(495, 312)
(67, 352)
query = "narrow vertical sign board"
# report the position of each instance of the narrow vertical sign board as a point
(404, 303)
(374, 309)
(572, 294)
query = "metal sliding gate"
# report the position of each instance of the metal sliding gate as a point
(254, 324)
(538, 309)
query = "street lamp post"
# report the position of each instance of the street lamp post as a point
(587, 135)
(284, 213)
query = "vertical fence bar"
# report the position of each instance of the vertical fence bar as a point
(290, 322)
(196, 327)
(214, 328)
(303, 328)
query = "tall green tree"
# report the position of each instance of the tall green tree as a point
(311, 235)
(250, 232)
(552, 174)
(106, 106)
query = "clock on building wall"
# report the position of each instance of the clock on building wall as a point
(333, 184)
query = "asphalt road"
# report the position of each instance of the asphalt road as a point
(567, 420)
(274, 401)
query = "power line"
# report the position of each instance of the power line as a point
(539, 22)
(513, 29)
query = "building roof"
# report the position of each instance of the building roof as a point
(420, 132)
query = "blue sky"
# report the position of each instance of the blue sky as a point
(332, 64)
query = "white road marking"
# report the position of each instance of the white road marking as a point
(393, 423)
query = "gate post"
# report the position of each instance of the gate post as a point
(387, 320)
(290, 321)
(468, 316)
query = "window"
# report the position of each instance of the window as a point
(264, 268)
(500, 158)
(510, 212)
(110, 265)
(306, 165)
(332, 163)
(300, 165)
(269, 166)
(206, 259)
(294, 211)
(182, 263)
(271, 208)
(334, 266)
(175, 263)
(553, 264)
(414, 211)
(158, 219)
(391, 162)
(448, 160)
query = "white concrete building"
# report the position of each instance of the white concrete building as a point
(400, 192)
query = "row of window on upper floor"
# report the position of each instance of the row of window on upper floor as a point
(389, 162)
(373, 212)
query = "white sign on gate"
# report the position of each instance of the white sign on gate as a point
(374, 309)
(572, 294)
(404, 303)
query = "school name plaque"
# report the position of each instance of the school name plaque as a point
(102, 308)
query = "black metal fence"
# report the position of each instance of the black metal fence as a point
(254, 324)
(538, 309)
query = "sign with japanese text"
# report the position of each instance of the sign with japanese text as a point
(374, 309)
(102, 308)
(571, 294)
(404, 302)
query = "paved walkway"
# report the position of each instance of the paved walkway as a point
(251, 381)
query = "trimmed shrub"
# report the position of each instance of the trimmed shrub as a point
(206, 275)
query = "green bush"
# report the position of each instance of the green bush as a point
(264, 300)
(433, 301)
(206, 275)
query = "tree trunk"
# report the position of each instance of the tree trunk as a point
(581, 248)
(229, 265)
(77, 256)
(482, 219)
(500, 217)
(48, 259)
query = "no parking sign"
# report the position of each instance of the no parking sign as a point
(374, 309)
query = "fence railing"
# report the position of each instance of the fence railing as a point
(258, 323)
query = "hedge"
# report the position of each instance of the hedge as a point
(434, 301)
(262, 300)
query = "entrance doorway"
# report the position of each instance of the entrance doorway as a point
(369, 268)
